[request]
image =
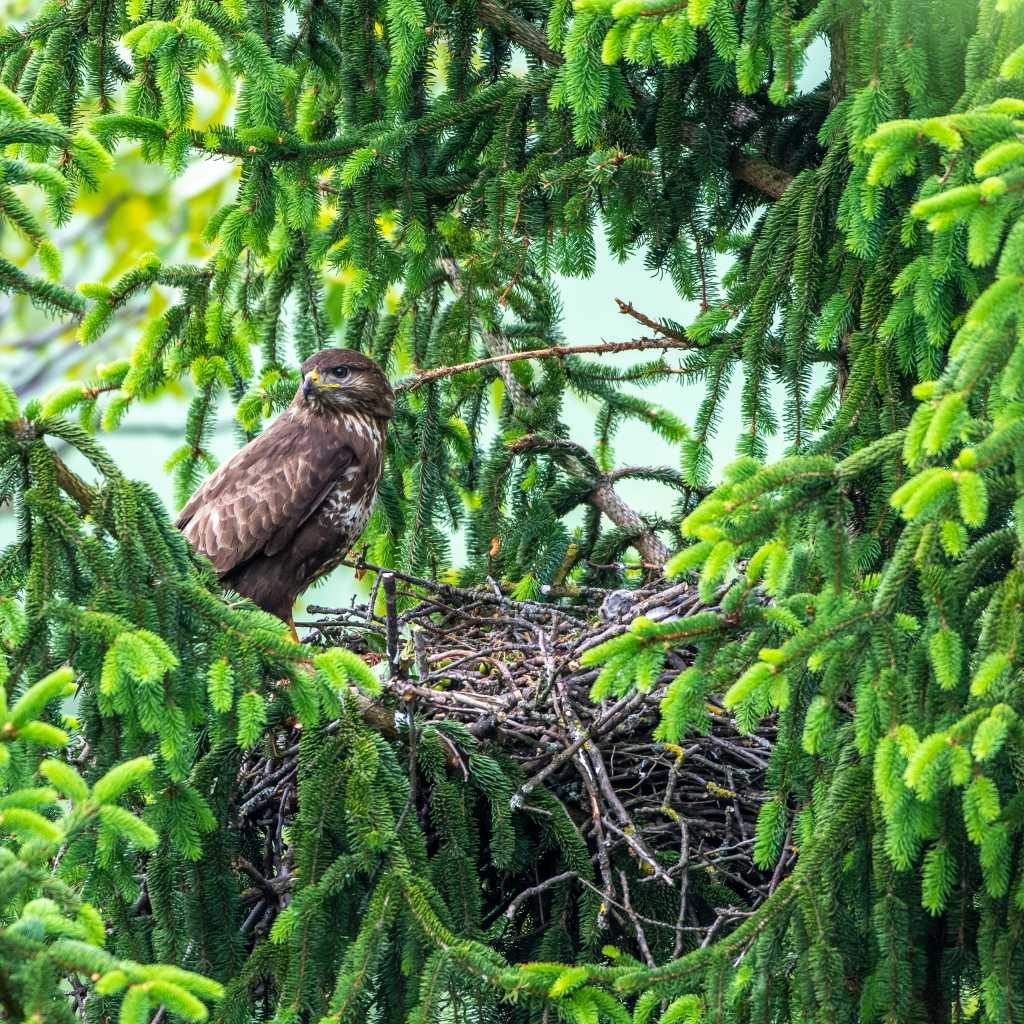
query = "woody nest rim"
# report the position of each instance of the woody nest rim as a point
(480, 678)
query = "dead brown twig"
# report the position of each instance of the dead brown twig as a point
(417, 381)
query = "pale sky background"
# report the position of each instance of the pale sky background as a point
(590, 315)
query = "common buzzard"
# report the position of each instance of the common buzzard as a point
(286, 508)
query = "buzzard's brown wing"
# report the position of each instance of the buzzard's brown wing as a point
(260, 497)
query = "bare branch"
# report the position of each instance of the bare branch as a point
(605, 498)
(536, 890)
(628, 309)
(759, 173)
(552, 352)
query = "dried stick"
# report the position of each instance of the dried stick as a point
(390, 606)
(641, 938)
(536, 890)
(684, 884)
(628, 309)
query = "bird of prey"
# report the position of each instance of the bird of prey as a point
(286, 508)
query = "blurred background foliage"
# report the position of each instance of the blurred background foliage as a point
(138, 209)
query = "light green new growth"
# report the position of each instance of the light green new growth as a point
(411, 174)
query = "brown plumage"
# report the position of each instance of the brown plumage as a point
(287, 507)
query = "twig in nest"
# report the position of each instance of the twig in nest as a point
(536, 890)
(641, 938)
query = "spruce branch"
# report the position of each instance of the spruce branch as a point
(859, 600)
(73, 485)
(531, 38)
(23, 431)
(755, 171)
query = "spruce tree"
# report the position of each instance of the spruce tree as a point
(862, 594)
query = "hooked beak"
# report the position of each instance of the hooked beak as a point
(309, 382)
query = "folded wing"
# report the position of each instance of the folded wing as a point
(257, 501)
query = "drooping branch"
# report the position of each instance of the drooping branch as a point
(73, 485)
(519, 30)
(67, 480)
(755, 171)
(839, 55)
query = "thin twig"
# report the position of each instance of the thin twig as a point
(641, 938)
(628, 309)
(684, 884)
(536, 890)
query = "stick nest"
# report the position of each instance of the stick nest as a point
(683, 816)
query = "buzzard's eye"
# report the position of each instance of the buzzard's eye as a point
(339, 372)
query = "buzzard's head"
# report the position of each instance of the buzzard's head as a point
(340, 380)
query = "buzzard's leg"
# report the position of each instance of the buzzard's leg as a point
(291, 629)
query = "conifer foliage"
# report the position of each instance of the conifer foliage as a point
(410, 174)
(49, 934)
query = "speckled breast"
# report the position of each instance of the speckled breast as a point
(346, 510)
